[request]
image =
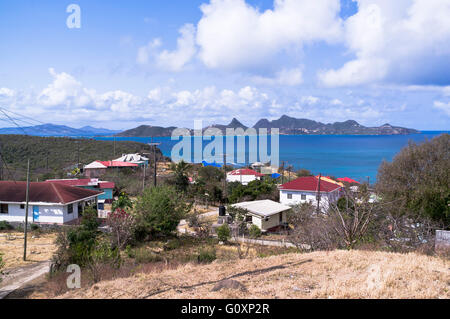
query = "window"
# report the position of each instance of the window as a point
(289, 196)
(70, 209)
(4, 209)
(22, 206)
(303, 197)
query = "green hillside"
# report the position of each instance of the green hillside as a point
(61, 153)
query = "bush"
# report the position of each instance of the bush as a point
(206, 255)
(4, 225)
(34, 227)
(159, 211)
(2, 263)
(76, 245)
(254, 231)
(223, 233)
(142, 255)
(416, 182)
(122, 226)
(172, 244)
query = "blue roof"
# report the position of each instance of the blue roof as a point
(211, 164)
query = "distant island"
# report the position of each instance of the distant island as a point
(287, 126)
(53, 130)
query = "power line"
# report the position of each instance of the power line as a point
(12, 120)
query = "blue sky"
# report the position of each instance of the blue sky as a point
(169, 63)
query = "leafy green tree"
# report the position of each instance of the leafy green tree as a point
(417, 181)
(223, 233)
(159, 211)
(304, 172)
(123, 202)
(181, 179)
(265, 189)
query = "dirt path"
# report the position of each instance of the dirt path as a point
(15, 278)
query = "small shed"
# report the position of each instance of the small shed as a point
(266, 214)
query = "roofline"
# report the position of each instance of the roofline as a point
(304, 190)
(52, 203)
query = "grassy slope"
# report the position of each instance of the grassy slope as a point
(337, 274)
(62, 152)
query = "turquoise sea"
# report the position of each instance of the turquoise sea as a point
(355, 156)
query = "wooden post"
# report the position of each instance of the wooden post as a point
(27, 196)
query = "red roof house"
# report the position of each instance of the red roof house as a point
(310, 184)
(348, 180)
(48, 202)
(306, 189)
(245, 171)
(243, 175)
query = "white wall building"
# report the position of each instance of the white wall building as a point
(266, 214)
(49, 203)
(243, 176)
(306, 189)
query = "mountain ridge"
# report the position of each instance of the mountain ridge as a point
(287, 126)
(47, 130)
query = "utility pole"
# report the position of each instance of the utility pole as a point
(154, 161)
(318, 194)
(27, 196)
(114, 147)
(143, 179)
(225, 175)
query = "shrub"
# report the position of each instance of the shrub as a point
(123, 202)
(206, 255)
(34, 227)
(2, 263)
(76, 245)
(172, 244)
(142, 255)
(254, 231)
(4, 225)
(122, 226)
(223, 232)
(159, 211)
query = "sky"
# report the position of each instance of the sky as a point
(172, 62)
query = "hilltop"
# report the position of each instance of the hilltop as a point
(287, 125)
(335, 274)
(60, 151)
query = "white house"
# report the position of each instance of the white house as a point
(306, 189)
(266, 214)
(243, 175)
(48, 202)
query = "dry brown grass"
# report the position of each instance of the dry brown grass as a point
(40, 247)
(336, 274)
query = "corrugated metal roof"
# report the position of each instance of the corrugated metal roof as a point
(264, 208)
(310, 184)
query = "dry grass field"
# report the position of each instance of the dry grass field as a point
(336, 274)
(40, 248)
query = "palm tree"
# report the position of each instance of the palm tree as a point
(181, 170)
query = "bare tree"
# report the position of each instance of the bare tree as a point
(351, 215)
(310, 231)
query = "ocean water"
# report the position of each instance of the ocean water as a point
(355, 156)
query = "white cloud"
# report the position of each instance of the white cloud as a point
(177, 59)
(148, 51)
(170, 60)
(405, 41)
(285, 77)
(442, 106)
(310, 99)
(5, 92)
(233, 34)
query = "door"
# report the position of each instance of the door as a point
(36, 213)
